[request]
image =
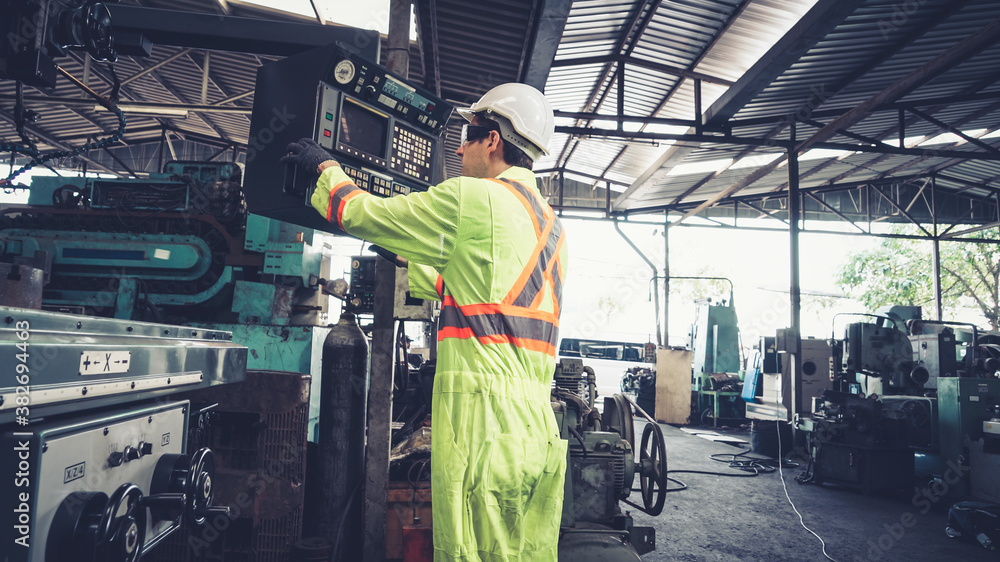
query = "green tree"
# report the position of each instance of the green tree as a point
(899, 271)
(609, 304)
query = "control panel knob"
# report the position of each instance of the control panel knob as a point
(131, 453)
(369, 92)
(116, 458)
(145, 448)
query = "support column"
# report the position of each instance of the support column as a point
(376, 485)
(666, 279)
(936, 254)
(794, 294)
(936, 276)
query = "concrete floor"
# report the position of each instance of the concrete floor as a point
(749, 519)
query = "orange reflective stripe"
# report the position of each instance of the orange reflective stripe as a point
(500, 308)
(529, 344)
(527, 199)
(521, 331)
(517, 320)
(531, 268)
(548, 276)
(536, 282)
(339, 196)
(439, 287)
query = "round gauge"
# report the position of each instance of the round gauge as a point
(344, 71)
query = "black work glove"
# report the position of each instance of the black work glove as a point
(307, 155)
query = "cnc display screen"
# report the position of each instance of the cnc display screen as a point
(406, 94)
(362, 129)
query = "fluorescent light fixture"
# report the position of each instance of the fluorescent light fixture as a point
(144, 110)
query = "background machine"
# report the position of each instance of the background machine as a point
(908, 403)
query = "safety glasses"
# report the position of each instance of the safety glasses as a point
(473, 133)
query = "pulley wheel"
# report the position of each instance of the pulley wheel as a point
(653, 476)
(618, 415)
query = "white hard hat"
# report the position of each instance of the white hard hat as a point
(527, 121)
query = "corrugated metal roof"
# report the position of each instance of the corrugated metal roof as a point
(730, 57)
(869, 51)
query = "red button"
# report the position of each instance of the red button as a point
(327, 133)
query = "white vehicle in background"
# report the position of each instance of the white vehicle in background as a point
(610, 360)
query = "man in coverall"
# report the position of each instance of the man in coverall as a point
(492, 250)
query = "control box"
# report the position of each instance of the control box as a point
(363, 284)
(69, 474)
(383, 130)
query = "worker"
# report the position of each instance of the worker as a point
(489, 247)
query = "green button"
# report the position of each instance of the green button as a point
(329, 117)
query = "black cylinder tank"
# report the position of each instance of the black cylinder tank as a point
(341, 439)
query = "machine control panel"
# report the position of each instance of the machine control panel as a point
(385, 131)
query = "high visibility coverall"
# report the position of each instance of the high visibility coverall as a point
(493, 253)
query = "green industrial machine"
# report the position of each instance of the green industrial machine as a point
(963, 405)
(715, 342)
(176, 246)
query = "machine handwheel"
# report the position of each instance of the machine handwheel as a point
(122, 529)
(653, 460)
(202, 485)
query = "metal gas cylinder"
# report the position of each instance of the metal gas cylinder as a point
(343, 402)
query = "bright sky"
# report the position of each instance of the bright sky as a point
(603, 264)
(363, 14)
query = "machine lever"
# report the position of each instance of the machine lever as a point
(168, 500)
(213, 511)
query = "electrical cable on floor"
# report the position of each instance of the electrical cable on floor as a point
(781, 474)
(747, 473)
(741, 461)
(682, 485)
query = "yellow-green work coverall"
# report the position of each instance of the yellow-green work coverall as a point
(493, 252)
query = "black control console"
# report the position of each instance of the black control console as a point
(384, 131)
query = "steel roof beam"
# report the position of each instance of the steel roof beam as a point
(954, 130)
(586, 132)
(52, 140)
(958, 53)
(694, 64)
(148, 69)
(428, 35)
(651, 65)
(657, 205)
(894, 106)
(80, 102)
(547, 34)
(939, 104)
(637, 25)
(782, 121)
(243, 35)
(822, 18)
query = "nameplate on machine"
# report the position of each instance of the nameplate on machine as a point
(104, 362)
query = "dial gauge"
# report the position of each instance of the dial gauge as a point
(344, 71)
